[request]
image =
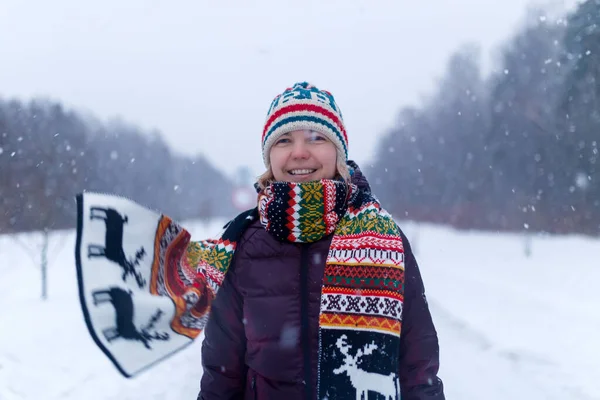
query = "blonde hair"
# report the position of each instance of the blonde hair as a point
(342, 171)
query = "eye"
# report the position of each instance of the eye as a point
(283, 140)
(316, 137)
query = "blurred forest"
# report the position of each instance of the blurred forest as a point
(515, 149)
(49, 154)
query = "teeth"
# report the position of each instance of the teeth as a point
(302, 171)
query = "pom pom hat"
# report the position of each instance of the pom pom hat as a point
(304, 107)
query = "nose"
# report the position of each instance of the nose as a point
(300, 150)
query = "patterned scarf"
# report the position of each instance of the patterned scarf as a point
(361, 300)
(303, 213)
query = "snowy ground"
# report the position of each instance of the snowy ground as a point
(510, 327)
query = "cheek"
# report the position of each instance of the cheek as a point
(276, 157)
(328, 157)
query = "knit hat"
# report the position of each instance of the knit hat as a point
(304, 107)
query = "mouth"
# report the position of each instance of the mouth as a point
(301, 172)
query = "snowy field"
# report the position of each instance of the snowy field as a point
(510, 326)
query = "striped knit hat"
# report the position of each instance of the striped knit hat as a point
(304, 107)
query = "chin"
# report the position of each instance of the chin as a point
(306, 178)
(302, 179)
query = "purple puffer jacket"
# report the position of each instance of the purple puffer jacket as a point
(261, 341)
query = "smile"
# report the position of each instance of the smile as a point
(301, 171)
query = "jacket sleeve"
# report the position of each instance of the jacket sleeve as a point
(224, 345)
(419, 348)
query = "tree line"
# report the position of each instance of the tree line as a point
(515, 149)
(49, 154)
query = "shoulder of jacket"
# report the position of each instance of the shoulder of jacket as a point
(234, 229)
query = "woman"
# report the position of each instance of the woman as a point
(322, 297)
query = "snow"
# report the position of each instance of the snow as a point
(521, 328)
(510, 326)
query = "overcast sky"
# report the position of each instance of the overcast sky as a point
(204, 73)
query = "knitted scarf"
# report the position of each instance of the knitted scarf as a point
(302, 213)
(164, 301)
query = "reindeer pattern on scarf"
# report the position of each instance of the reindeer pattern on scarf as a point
(359, 368)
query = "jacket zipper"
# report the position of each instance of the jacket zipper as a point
(253, 386)
(304, 328)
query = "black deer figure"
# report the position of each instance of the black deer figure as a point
(122, 301)
(113, 244)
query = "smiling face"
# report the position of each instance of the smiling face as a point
(302, 156)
